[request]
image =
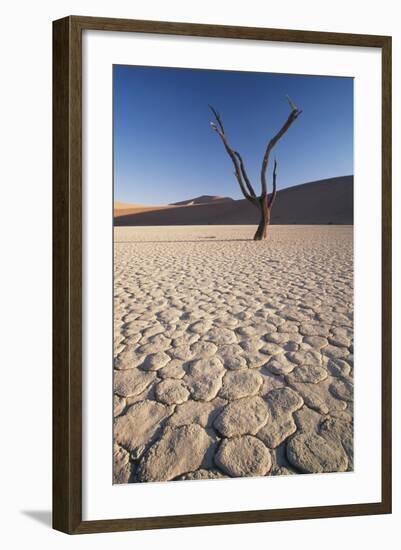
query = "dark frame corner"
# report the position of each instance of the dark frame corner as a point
(67, 279)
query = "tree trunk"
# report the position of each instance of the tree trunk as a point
(261, 232)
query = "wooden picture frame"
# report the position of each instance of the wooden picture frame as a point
(67, 273)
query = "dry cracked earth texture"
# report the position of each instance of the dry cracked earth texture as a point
(232, 358)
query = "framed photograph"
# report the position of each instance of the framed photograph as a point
(222, 274)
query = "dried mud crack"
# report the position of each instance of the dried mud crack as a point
(232, 358)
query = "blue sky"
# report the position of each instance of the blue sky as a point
(165, 150)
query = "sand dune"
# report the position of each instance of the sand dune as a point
(202, 200)
(118, 205)
(125, 208)
(328, 201)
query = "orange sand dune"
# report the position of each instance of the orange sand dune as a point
(124, 208)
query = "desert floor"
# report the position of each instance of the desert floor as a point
(232, 357)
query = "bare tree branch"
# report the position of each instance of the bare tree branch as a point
(218, 118)
(293, 107)
(219, 128)
(274, 192)
(245, 175)
(237, 169)
(294, 114)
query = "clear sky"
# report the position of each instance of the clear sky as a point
(165, 150)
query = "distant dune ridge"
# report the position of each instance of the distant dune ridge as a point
(328, 201)
(202, 200)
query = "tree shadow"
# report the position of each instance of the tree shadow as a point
(40, 516)
(202, 240)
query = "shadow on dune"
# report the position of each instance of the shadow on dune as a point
(323, 202)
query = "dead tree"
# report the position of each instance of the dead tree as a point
(264, 202)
